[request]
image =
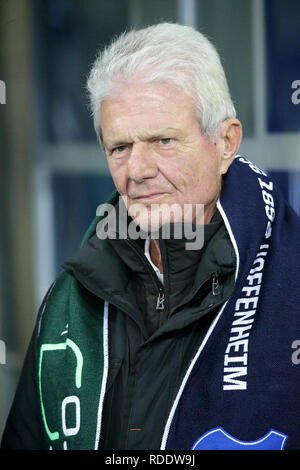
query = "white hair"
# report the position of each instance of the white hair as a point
(164, 53)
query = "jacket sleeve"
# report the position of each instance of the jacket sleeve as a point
(23, 430)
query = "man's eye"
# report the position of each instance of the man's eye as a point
(119, 149)
(165, 141)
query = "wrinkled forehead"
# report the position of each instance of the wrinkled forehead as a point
(150, 108)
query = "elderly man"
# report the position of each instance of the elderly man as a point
(142, 343)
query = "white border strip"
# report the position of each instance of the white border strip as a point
(105, 374)
(209, 332)
(44, 306)
(232, 239)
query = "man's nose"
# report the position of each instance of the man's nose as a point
(141, 163)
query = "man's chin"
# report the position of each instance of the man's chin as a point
(152, 219)
(146, 223)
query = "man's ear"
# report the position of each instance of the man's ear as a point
(231, 132)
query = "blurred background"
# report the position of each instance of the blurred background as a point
(53, 174)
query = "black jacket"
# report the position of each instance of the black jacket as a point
(149, 349)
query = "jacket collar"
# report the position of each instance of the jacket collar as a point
(105, 266)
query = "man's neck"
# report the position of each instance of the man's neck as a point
(155, 254)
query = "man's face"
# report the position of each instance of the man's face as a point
(156, 152)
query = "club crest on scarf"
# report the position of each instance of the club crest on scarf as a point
(219, 439)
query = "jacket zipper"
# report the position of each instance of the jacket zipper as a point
(215, 276)
(160, 300)
(214, 279)
(211, 284)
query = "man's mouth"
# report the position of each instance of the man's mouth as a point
(147, 197)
